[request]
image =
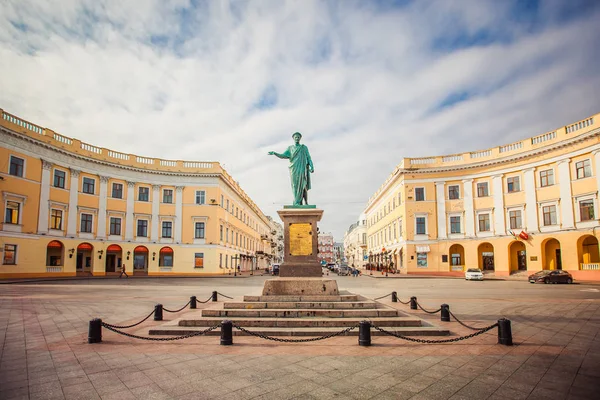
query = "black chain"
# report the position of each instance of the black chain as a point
(276, 339)
(481, 331)
(429, 312)
(207, 300)
(404, 302)
(189, 335)
(225, 296)
(379, 298)
(127, 326)
(462, 323)
(176, 311)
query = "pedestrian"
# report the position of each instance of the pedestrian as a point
(123, 272)
(239, 269)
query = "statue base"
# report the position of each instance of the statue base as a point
(293, 270)
(300, 287)
(300, 242)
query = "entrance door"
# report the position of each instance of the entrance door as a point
(488, 261)
(110, 262)
(558, 259)
(522, 260)
(79, 262)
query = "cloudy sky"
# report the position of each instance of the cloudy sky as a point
(367, 83)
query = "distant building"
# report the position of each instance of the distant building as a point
(338, 252)
(326, 247)
(355, 243)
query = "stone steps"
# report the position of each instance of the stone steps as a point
(302, 322)
(299, 313)
(343, 297)
(343, 305)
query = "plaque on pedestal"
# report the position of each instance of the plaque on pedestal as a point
(300, 242)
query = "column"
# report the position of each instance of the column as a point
(155, 210)
(498, 193)
(44, 197)
(101, 233)
(469, 212)
(566, 201)
(531, 209)
(73, 196)
(440, 191)
(178, 213)
(130, 208)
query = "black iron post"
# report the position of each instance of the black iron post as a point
(158, 312)
(394, 297)
(226, 333)
(364, 333)
(445, 313)
(214, 296)
(413, 303)
(193, 302)
(95, 331)
(504, 332)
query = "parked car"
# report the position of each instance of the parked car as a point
(344, 270)
(555, 276)
(474, 274)
(275, 269)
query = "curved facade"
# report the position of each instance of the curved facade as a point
(524, 206)
(72, 208)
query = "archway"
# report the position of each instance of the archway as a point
(517, 256)
(165, 257)
(140, 260)
(587, 253)
(457, 257)
(551, 258)
(485, 255)
(55, 254)
(84, 257)
(114, 255)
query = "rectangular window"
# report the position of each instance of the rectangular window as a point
(513, 184)
(454, 224)
(143, 194)
(482, 189)
(419, 194)
(549, 213)
(455, 259)
(515, 219)
(117, 190)
(583, 169)
(200, 196)
(86, 223)
(165, 260)
(421, 229)
(421, 260)
(226, 235)
(17, 166)
(88, 185)
(227, 203)
(546, 178)
(198, 260)
(484, 222)
(11, 215)
(56, 219)
(142, 228)
(222, 201)
(168, 196)
(220, 260)
(199, 230)
(453, 192)
(115, 226)
(59, 178)
(221, 232)
(586, 210)
(10, 254)
(167, 227)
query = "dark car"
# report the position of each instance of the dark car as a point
(556, 276)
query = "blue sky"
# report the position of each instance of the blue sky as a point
(366, 83)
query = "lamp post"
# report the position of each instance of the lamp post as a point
(236, 258)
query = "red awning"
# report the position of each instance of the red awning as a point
(166, 250)
(140, 249)
(113, 247)
(85, 246)
(55, 244)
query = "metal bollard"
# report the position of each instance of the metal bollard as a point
(226, 333)
(158, 312)
(95, 331)
(364, 333)
(504, 332)
(445, 313)
(193, 302)
(413, 303)
(214, 296)
(394, 297)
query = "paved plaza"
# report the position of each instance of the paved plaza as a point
(45, 355)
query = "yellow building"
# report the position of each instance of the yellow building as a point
(71, 208)
(524, 206)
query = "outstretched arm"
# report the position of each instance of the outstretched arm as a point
(285, 154)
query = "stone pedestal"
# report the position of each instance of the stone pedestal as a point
(300, 287)
(300, 242)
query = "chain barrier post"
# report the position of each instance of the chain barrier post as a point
(413, 303)
(226, 333)
(504, 332)
(364, 333)
(445, 312)
(158, 312)
(193, 302)
(95, 331)
(394, 297)
(214, 296)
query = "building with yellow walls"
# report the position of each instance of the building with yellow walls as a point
(523, 206)
(70, 208)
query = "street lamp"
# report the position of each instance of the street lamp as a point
(236, 258)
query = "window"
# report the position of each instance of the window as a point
(583, 169)
(200, 196)
(586, 210)
(221, 232)
(199, 230)
(165, 260)
(142, 228)
(59, 178)
(455, 224)
(453, 192)
(199, 260)
(17, 166)
(86, 223)
(455, 259)
(419, 194)
(115, 226)
(222, 201)
(143, 194)
(515, 219)
(88, 185)
(117, 190)
(226, 235)
(167, 227)
(11, 215)
(168, 196)
(484, 222)
(546, 178)
(549, 213)
(482, 189)
(227, 208)
(421, 260)
(220, 260)
(421, 230)
(10, 254)
(56, 219)
(513, 184)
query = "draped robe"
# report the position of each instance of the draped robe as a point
(300, 164)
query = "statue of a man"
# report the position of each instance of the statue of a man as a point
(301, 167)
